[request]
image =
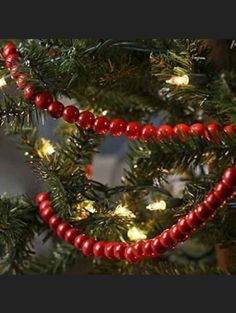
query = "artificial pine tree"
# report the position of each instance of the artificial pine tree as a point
(175, 102)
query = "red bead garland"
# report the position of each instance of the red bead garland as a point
(14, 72)
(98, 249)
(198, 129)
(117, 127)
(101, 125)
(182, 131)
(142, 249)
(56, 109)
(42, 100)
(28, 92)
(21, 80)
(8, 48)
(165, 132)
(86, 119)
(133, 130)
(149, 132)
(70, 114)
(11, 59)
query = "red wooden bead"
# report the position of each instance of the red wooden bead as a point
(213, 132)
(42, 100)
(101, 125)
(148, 132)
(87, 246)
(11, 59)
(182, 131)
(61, 229)
(229, 177)
(166, 239)
(157, 246)
(8, 48)
(138, 249)
(223, 191)
(184, 226)
(56, 109)
(193, 220)
(119, 250)
(70, 114)
(203, 212)
(212, 202)
(147, 249)
(46, 214)
(54, 222)
(197, 129)
(230, 129)
(29, 93)
(41, 197)
(117, 127)
(44, 204)
(176, 234)
(22, 80)
(108, 250)
(14, 72)
(133, 130)
(70, 235)
(165, 132)
(98, 249)
(79, 240)
(129, 254)
(86, 119)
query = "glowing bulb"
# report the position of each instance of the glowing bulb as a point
(158, 205)
(89, 206)
(104, 113)
(135, 233)
(123, 211)
(46, 149)
(84, 209)
(178, 80)
(2, 82)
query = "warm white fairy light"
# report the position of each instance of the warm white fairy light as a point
(46, 149)
(135, 233)
(88, 205)
(178, 80)
(2, 82)
(157, 205)
(122, 210)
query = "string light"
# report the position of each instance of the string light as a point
(2, 82)
(135, 233)
(89, 206)
(157, 205)
(123, 211)
(84, 209)
(45, 149)
(178, 80)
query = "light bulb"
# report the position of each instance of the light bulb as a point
(178, 80)
(84, 209)
(2, 82)
(123, 211)
(157, 205)
(135, 233)
(88, 205)
(46, 148)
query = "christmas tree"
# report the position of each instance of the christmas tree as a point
(173, 103)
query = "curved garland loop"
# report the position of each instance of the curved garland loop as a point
(102, 125)
(224, 191)
(169, 238)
